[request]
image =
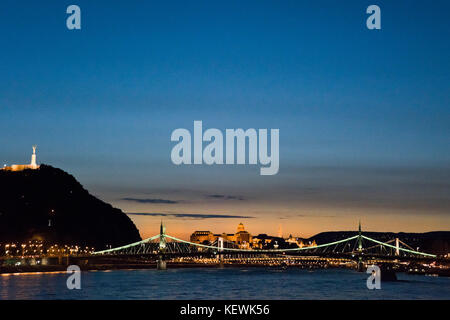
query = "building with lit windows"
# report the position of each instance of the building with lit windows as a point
(300, 242)
(203, 237)
(242, 237)
(244, 240)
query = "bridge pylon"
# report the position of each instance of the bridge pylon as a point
(359, 237)
(162, 238)
(161, 263)
(220, 251)
(360, 248)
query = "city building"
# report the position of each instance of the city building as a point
(299, 242)
(242, 238)
(203, 237)
(264, 241)
(261, 241)
(231, 237)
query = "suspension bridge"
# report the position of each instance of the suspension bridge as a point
(359, 248)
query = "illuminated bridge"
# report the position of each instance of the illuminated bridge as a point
(355, 248)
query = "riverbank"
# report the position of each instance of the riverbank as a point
(170, 265)
(97, 267)
(23, 269)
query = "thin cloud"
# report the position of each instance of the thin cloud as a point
(150, 200)
(189, 215)
(315, 216)
(224, 197)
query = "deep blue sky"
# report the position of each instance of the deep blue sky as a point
(350, 103)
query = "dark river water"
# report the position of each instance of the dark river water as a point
(233, 283)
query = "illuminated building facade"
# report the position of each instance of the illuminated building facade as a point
(244, 240)
(300, 242)
(203, 237)
(242, 237)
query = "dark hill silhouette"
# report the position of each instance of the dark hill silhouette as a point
(30, 198)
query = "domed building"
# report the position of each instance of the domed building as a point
(243, 238)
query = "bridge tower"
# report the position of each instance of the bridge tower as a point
(359, 237)
(162, 238)
(220, 244)
(360, 262)
(397, 247)
(161, 263)
(220, 251)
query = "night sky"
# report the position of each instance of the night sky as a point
(364, 115)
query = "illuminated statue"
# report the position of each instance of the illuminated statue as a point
(33, 164)
(21, 167)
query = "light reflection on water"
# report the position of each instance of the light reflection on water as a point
(233, 283)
